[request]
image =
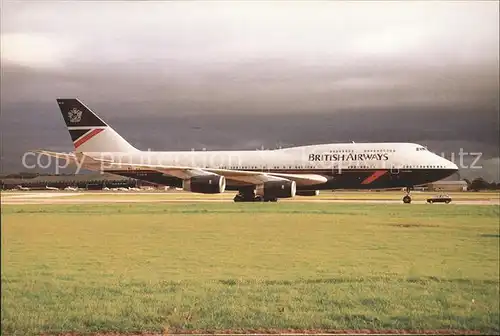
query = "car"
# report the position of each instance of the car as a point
(439, 199)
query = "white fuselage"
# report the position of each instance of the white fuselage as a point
(314, 157)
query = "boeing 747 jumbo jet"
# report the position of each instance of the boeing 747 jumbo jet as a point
(261, 175)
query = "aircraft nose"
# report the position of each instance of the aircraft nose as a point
(451, 165)
(447, 164)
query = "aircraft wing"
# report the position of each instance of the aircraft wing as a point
(238, 176)
(185, 172)
(256, 177)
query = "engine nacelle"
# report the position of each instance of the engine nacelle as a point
(307, 193)
(205, 184)
(277, 189)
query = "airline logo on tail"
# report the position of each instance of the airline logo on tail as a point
(75, 115)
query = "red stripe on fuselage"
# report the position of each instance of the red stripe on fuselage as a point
(374, 176)
(87, 137)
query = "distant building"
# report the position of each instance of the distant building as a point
(447, 186)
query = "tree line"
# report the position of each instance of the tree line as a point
(476, 184)
(480, 183)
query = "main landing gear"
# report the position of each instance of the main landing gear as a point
(251, 197)
(407, 197)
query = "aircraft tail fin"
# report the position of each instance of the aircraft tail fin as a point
(88, 132)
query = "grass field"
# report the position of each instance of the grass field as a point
(239, 266)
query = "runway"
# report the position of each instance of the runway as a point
(137, 197)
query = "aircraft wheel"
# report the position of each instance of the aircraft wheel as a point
(238, 198)
(244, 197)
(258, 198)
(407, 199)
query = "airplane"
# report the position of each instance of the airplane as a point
(257, 176)
(20, 187)
(51, 188)
(69, 188)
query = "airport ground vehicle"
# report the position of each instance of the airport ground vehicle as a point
(443, 198)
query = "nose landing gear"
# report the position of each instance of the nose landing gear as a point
(407, 197)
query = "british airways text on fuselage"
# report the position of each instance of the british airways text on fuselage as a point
(348, 157)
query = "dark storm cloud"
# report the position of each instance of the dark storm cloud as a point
(264, 89)
(274, 56)
(174, 75)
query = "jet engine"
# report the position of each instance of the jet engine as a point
(277, 189)
(307, 193)
(205, 184)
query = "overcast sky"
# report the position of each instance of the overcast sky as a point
(167, 59)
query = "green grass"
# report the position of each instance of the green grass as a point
(140, 267)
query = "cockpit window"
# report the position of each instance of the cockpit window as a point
(421, 149)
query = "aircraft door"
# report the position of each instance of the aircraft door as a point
(395, 168)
